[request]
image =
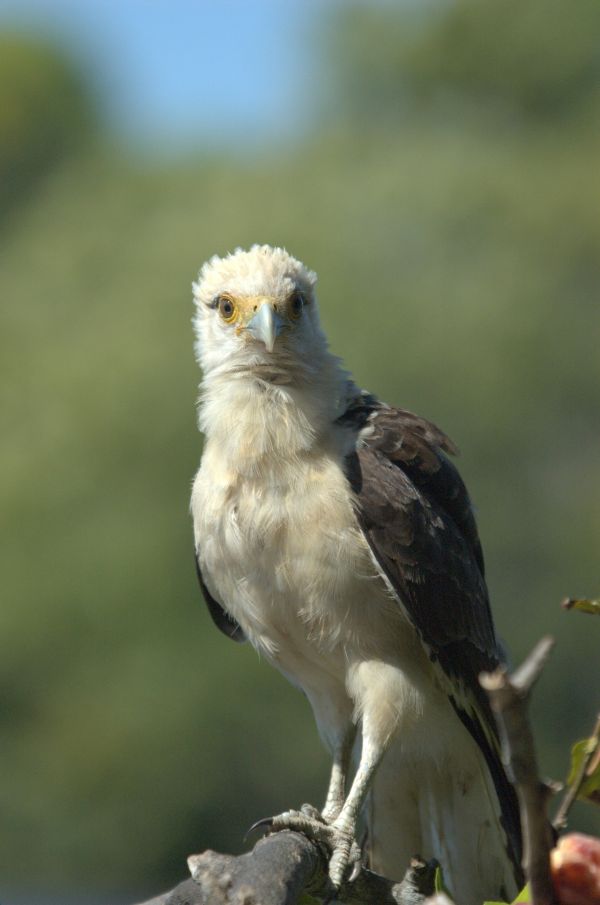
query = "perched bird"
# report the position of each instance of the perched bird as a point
(334, 533)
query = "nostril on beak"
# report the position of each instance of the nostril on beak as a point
(266, 325)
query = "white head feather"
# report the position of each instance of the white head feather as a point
(267, 400)
(261, 271)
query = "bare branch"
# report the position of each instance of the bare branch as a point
(275, 872)
(560, 821)
(280, 868)
(509, 699)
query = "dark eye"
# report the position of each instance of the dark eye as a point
(227, 309)
(296, 305)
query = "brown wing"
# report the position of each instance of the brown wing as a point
(415, 512)
(219, 615)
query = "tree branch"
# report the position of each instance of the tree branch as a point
(283, 866)
(509, 698)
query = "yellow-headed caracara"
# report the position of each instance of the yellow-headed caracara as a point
(333, 532)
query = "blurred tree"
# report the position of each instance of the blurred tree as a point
(459, 276)
(538, 59)
(45, 113)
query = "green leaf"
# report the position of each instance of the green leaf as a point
(524, 898)
(583, 605)
(590, 787)
(438, 882)
(305, 899)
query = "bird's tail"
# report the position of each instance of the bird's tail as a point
(449, 810)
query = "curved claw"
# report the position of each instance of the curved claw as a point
(266, 822)
(345, 854)
(356, 869)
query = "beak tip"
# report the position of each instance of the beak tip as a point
(266, 325)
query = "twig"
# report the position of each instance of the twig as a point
(279, 869)
(509, 699)
(560, 821)
(582, 604)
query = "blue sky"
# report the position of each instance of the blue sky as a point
(179, 72)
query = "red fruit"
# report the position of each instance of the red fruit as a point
(575, 869)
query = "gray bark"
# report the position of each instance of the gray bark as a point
(280, 869)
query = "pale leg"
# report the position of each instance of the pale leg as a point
(345, 824)
(336, 793)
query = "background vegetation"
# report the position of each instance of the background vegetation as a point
(448, 196)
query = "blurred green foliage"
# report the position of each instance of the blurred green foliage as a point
(459, 276)
(531, 61)
(45, 114)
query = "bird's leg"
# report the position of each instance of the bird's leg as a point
(345, 848)
(339, 837)
(336, 792)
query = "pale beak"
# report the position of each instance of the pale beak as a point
(266, 325)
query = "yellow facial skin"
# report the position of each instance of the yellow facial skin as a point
(241, 309)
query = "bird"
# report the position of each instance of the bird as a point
(334, 533)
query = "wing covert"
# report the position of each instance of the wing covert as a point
(415, 512)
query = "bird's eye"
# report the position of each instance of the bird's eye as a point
(227, 309)
(296, 305)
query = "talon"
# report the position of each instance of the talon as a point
(355, 871)
(345, 854)
(346, 861)
(307, 821)
(265, 822)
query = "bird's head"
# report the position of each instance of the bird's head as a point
(256, 315)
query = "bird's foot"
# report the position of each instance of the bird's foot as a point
(346, 859)
(337, 837)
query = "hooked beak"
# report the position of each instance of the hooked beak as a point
(266, 325)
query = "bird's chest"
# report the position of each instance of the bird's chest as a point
(281, 549)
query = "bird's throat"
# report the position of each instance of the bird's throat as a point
(254, 421)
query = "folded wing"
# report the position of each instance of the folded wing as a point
(416, 516)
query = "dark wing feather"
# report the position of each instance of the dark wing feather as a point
(415, 513)
(220, 616)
